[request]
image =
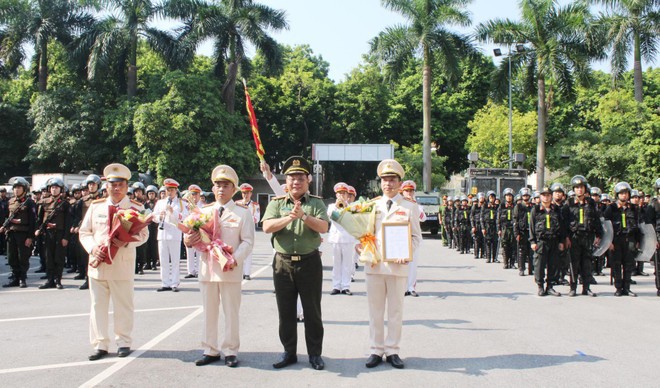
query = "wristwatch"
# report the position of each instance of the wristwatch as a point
(304, 217)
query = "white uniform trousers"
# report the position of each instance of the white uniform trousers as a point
(342, 267)
(227, 294)
(192, 261)
(121, 293)
(381, 290)
(170, 257)
(247, 265)
(412, 271)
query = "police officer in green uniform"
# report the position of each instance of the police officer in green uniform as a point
(296, 221)
(19, 230)
(54, 225)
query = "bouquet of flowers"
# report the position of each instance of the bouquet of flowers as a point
(359, 220)
(209, 232)
(123, 224)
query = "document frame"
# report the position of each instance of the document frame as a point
(397, 241)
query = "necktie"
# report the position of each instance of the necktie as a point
(222, 209)
(389, 204)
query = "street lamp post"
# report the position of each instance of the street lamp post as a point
(498, 53)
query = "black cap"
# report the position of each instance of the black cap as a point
(296, 165)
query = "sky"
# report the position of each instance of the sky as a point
(340, 30)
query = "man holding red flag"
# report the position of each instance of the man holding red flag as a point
(111, 280)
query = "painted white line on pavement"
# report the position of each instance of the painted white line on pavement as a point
(87, 314)
(138, 352)
(57, 366)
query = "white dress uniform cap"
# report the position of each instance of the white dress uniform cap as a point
(390, 167)
(116, 172)
(224, 173)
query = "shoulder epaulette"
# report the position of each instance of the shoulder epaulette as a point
(137, 203)
(410, 200)
(315, 196)
(280, 197)
(98, 200)
(207, 205)
(240, 205)
(374, 199)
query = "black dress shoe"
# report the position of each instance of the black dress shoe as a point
(407, 293)
(164, 289)
(123, 351)
(175, 289)
(189, 276)
(317, 362)
(247, 277)
(586, 291)
(414, 293)
(633, 282)
(286, 359)
(97, 355)
(373, 361)
(346, 292)
(231, 361)
(79, 277)
(618, 292)
(629, 293)
(84, 286)
(541, 292)
(206, 359)
(395, 361)
(572, 293)
(334, 291)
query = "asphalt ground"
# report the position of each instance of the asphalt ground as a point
(474, 324)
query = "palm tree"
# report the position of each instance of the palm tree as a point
(558, 50)
(38, 22)
(113, 40)
(425, 35)
(633, 24)
(232, 24)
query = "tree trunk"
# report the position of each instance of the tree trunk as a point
(426, 131)
(637, 71)
(229, 87)
(43, 65)
(540, 142)
(131, 76)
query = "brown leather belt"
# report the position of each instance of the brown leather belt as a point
(298, 257)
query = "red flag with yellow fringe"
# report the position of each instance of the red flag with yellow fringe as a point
(253, 124)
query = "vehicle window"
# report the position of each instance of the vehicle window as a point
(428, 201)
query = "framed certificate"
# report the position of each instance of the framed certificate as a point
(397, 241)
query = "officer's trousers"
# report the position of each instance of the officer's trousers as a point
(121, 293)
(170, 257)
(54, 253)
(581, 259)
(18, 255)
(304, 278)
(385, 290)
(622, 261)
(227, 294)
(546, 257)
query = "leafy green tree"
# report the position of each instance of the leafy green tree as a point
(38, 22)
(232, 25)
(427, 34)
(633, 25)
(412, 162)
(489, 134)
(112, 42)
(558, 52)
(185, 135)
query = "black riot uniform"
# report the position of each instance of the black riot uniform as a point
(522, 215)
(73, 249)
(584, 224)
(546, 231)
(462, 222)
(625, 218)
(489, 229)
(54, 225)
(79, 212)
(505, 231)
(475, 224)
(19, 232)
(449, 213)
(4, 213)
(652, 216)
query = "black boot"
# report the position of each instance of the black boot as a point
(541, 291)
(85, 285)
(587, 291)
(13, 283)
(49, 284)
(58, 284)
(23, 282)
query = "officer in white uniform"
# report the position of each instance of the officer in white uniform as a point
(223, 287)
(386, 281)
(111, 281)
(343, 245)
(253, 207)
(192, 255)
(168, 212)
(408, 191)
